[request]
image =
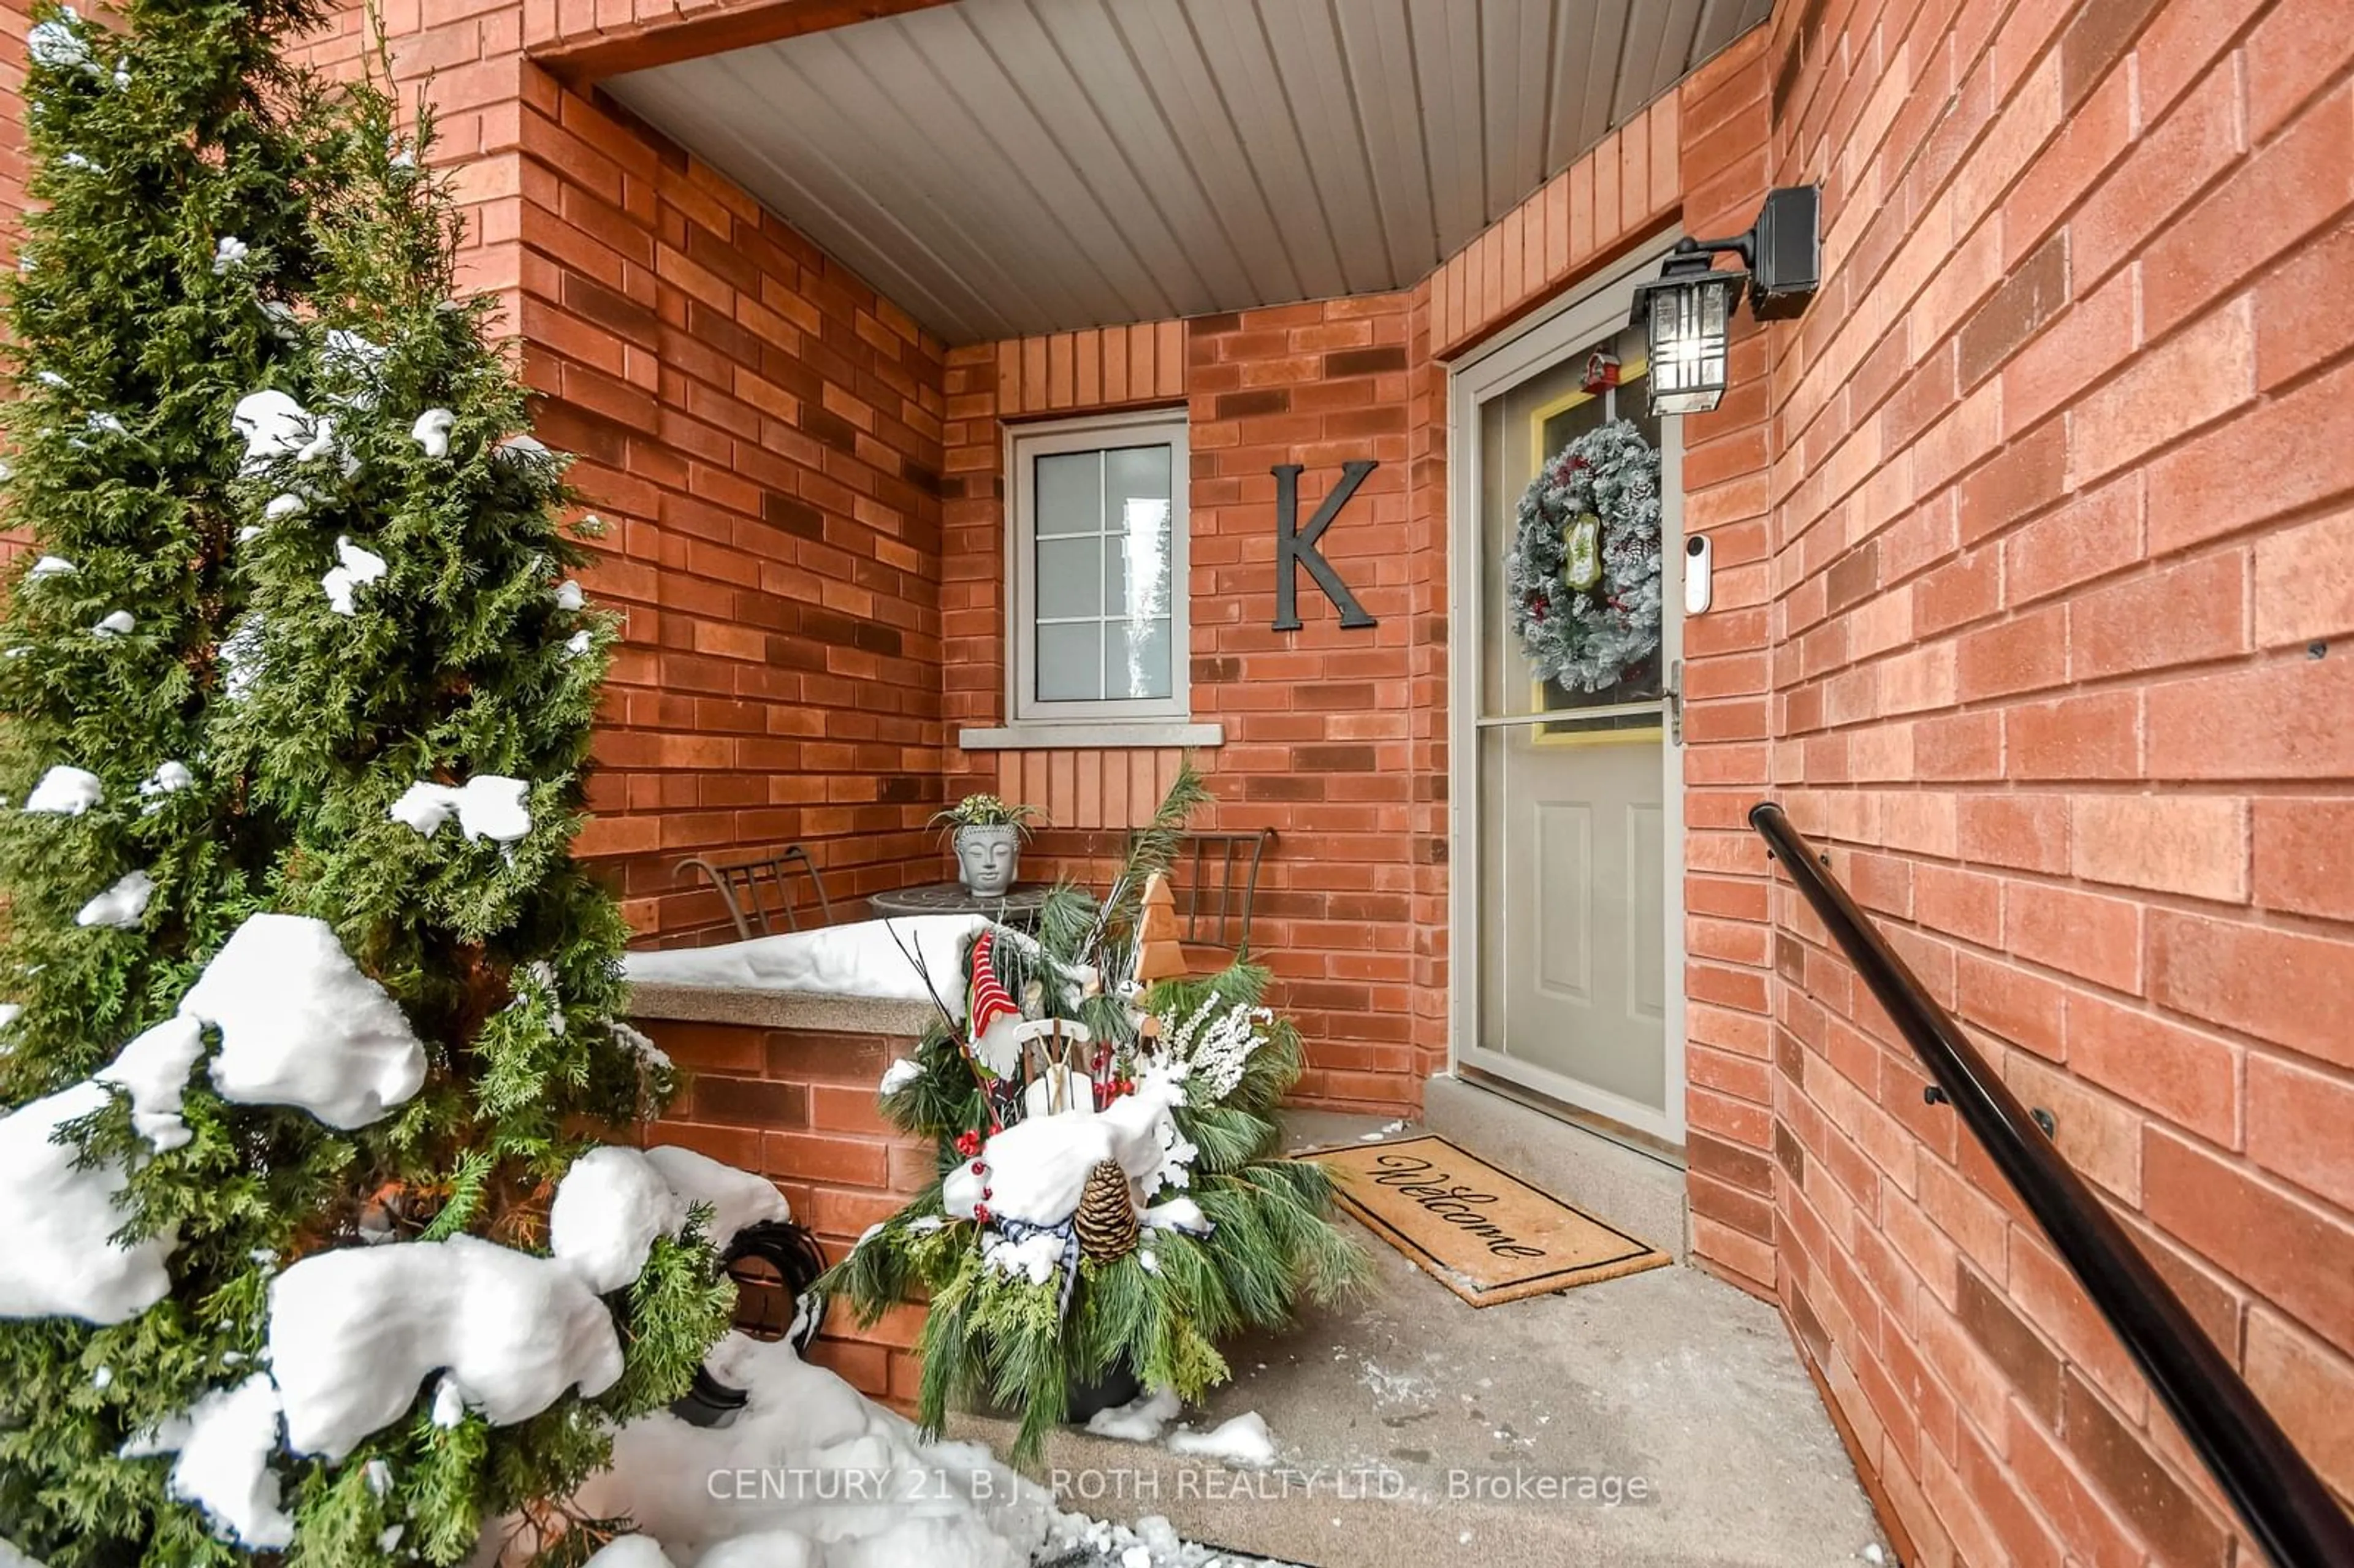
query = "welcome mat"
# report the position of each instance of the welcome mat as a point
(1485, 1235)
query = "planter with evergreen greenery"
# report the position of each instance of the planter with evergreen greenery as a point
(1111, 1200)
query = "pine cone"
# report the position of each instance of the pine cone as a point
(1107, 1217)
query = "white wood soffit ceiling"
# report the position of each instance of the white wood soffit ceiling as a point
(1003, 167)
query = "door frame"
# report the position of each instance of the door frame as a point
(1540, 340)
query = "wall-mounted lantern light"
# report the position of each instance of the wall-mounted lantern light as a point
(1688, 309)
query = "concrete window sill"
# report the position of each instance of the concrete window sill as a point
(1093, 736)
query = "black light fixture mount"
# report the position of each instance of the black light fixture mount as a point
(1688, 309)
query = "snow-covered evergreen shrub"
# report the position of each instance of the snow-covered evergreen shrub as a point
(296, 963)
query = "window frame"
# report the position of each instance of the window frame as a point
(1025, 443)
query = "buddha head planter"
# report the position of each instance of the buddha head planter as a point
(988, 840)
(987, 859)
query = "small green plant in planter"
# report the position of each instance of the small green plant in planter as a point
(987, 833)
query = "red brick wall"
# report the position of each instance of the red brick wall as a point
(1698, 157)
(2059, 465)
(763, 433)
(1319, 733)
(2024, 535)
(16, 21)
(760, 432)
(799, 1107)
(1728, 1103)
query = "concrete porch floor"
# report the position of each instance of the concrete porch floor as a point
(1405, 1395)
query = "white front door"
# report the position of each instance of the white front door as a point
(1569, 813)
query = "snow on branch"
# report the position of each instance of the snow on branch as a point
(487, 806)
(60, 1217)
(613, 1202)
(353, 1332)
(300, 1026)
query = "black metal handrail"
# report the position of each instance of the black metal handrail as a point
(2283, 1502)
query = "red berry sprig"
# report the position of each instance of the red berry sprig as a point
(967, 1144)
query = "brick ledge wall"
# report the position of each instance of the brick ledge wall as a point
(797, 1106)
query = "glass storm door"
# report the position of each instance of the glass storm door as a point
(1576, 812)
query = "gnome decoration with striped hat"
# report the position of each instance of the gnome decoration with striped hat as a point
(993, 1041)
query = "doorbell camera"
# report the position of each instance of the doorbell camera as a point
(1698, 556)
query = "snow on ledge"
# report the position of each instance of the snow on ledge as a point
(865, 962)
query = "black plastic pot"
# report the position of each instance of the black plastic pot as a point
(1118, 1385)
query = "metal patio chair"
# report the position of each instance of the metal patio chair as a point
(1214, 878)
(739, 885)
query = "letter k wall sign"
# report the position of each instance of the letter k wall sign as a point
(1296, 546)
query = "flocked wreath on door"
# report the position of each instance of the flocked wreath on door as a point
(1583, 575)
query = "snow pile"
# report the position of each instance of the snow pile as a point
(868, 959)
(943, 1505)
(348, 355)
(153, 1071)
(169, 779)
(737, 1198)
(1032, 1171)
(225, 1442)
(1178, 1214)
(431, 432)
(241, 658)
(523, 449)
(230, 251)
(50, 566)
(356, 568)
(1140, 1420)
(487, 806)
(641, 1045)
(283, 506)
(122, 906)
(1036, 1169)
(577, 644)
(1244, 1440)
(609, 1209)
(114, 623)
(811, 1474)
(322, 442)
(624, 1551)
(274, 426)
(56, 45)
(11, 1557)
(353, 1332)
(902, 1072)
(300, 1026)
(66, 792)
(1037, 1257)
(61, 1259)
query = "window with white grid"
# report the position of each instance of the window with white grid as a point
(1096, 564)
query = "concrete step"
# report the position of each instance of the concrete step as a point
(1641, 1195)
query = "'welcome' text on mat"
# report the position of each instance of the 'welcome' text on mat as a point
(1485, 1235)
